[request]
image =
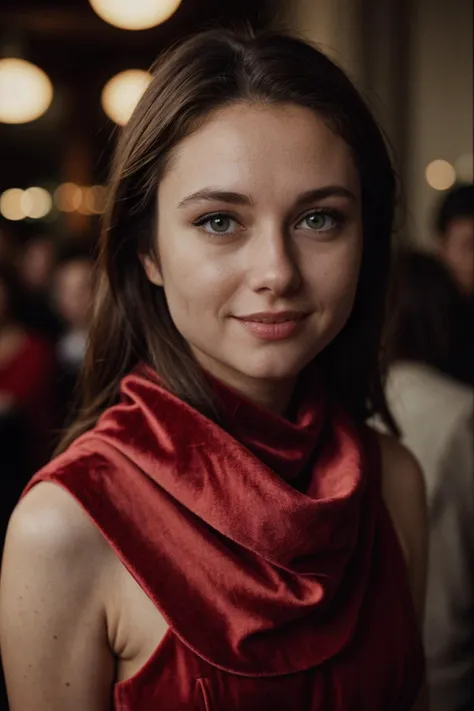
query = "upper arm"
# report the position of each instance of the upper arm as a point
(52, 620)
(405, 495)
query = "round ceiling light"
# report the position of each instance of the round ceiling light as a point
(25, 91)
(123, 92)
(135, 14)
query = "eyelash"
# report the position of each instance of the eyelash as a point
(209, 216)
(338, 217)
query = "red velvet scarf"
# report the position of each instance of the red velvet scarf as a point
(253, 537)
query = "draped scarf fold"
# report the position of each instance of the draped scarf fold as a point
(253, 535)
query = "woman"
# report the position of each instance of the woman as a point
(218, 538)
(435, 414)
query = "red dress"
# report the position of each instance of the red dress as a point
(29, 379)
(264, 543)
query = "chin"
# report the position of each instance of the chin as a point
(274, 370)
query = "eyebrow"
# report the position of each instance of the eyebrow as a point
(210, 195)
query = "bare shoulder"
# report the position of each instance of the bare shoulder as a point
(403, 489)
(50, 522)
(52, 545)
(49, 515)
(52, 605)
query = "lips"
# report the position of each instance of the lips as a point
(273, 326)
(273, 317)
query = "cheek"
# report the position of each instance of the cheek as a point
(334, 275)
(193, 282)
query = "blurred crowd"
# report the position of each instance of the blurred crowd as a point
(45, 298)
(45, 303)
(430, 393)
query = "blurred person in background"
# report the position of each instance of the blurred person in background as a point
(221, 529)
(27, 367)
(28, 402)
(72, 298)
(37, 262)
(435, 415)
(35, 266)
(454, 226)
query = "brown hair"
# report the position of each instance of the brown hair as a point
(131, 321)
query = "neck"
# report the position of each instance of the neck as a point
(272, 395)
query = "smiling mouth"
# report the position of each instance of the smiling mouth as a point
(281, 317)
(273, 326)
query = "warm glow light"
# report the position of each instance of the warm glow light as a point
(86, 208)
(11, 205)
(68, 197)
(440, 174)
(122, 93)
(94, 199)
(36, 202)
(135, 14)
(464, 166)
(26, 203)
(25, 91)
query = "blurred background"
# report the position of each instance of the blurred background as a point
(71, 72)
(411, 58)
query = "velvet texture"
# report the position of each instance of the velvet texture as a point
(265, 544)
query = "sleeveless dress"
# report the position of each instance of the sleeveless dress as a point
(265, 544)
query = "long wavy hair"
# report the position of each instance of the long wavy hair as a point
(131, 322)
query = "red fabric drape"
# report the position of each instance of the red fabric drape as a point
(263, 541)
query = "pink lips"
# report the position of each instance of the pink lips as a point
(272, 326)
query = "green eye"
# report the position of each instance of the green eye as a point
(318, 221)
(217, 224)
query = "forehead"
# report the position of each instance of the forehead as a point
(261, 148)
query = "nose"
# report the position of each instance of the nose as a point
(273, 263)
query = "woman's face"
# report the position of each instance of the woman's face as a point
(259, 242)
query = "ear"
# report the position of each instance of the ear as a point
(152, 269)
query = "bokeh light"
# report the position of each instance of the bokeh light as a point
(68, 197)
(94, 199)
(135, 14)
(11, 206)
(440, 174)
(25, 91)
(36, 202)
(122, 93)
